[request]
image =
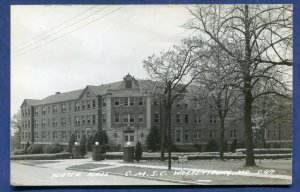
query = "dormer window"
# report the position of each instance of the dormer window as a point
(128, 84)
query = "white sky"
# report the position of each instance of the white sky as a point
(101, 52)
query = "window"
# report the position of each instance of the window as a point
(197, 119)
(63, 135)
(128, 84)
(36, 135)
(103, 117)
(212, 133)
(125, 118)
(131, 137)
(178, 105)
(103, 102)
(49, 134)
(233, 133)
(141, 101)
(178, 135)
(36, 112)
(126, 137)
(117, 118)
(77, 121)
(54, 135)
(48, 109)
(54, 108)
(28, 111)
(83, 106)
(43, 134)
(88, 103)
(83, 120)
(77, 106)
(48, 122)
(36, 123)
(63, 108)
(132, 119)
(186, 135)
(28, 123)
(54, 123)
(186, 105)
(141, 118)
(117, 101)
(156, 117)
(275, 133)
(186, 118)
(77, 133)
(63, 122)
(43, 110)
(198, 134)
(131, 99)
(94, 119)
(126, 101)
(268, 133)
(93, 103)
(88, 119)
(233, 122)
(213, 119)
(178, 118)
(43, 122)
(155, 103)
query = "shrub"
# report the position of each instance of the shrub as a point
(212, 145)
(83, 146)
(42, 156)
(90, 143)
(35, 149)
(50, 149)
(72, 140)
(19, 152)
(198, 147)
(138, 151)
(26, 147)
(153, 140)
(233, 145)
(101, 137)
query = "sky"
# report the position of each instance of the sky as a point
(66, 47)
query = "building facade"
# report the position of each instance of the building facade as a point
(123, 111)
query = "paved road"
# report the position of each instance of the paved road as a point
(36, 175)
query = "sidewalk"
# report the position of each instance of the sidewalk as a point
(159, 172)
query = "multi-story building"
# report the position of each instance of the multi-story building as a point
(123, 111)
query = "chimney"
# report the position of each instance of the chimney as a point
(56, 93)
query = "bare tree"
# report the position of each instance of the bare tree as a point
(15, 130)
(258, 38)
(214, 88)
(172, 69)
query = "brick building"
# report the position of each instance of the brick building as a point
(123, 111)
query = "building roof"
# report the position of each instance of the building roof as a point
(73, 95)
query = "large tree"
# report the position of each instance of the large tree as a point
(15, 130)
(258, 38)
(171, 73)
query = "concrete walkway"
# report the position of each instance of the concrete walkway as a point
(64, 164)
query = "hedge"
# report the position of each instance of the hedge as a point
(65, 155)
(205, 157)
(267, 151)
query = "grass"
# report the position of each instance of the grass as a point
(88, 166)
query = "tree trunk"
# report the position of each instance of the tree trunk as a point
(248, 93)
(163, 130)
(221, 156)
(169, 124)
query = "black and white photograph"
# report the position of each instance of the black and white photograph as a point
(169, 94)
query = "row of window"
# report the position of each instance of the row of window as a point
(179, 117)
(129, 118)
(276, 133)
(63, 108)
(56, 134)
(128, 101)
(85, 119)
(199, 134)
